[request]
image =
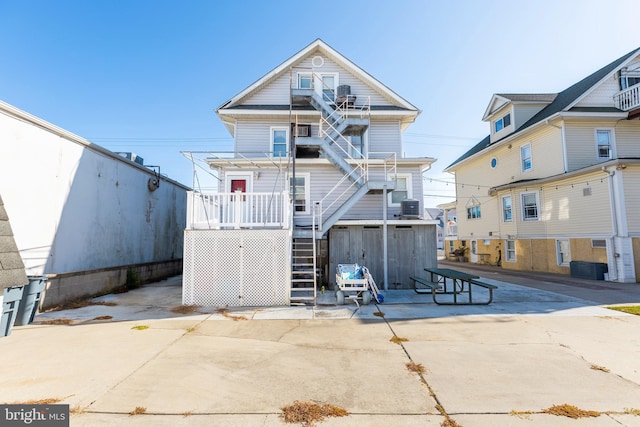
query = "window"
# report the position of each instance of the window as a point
(529, 206)
(563, 252)
(402, 190)
(329, 87)
(357, 146)
(603, 141)
(502, 123)
(473, 212)
(506, 209)
(510, 248)
(629, 78)
(305, 81)
(300, 194)
(525, 155)
(279, 139)
(451, 246)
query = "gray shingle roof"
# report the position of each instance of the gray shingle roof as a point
(560, 102)
(529, 97)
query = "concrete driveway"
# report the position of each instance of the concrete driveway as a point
(498, 365)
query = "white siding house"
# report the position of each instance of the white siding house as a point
(82, 215)
(318, 146)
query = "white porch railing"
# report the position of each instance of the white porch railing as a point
(452, 230)
(628, 99)
(215, 211)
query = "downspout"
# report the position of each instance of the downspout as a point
(385, 260)
(614, 224)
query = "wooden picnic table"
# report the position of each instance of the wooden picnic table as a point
(439, 277)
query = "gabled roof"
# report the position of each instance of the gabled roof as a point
(319, 46)
(517, 98)
(564, 101)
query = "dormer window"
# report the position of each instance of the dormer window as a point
(502, 123)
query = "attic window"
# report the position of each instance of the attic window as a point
(502, 123)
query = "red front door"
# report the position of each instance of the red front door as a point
(239, 185)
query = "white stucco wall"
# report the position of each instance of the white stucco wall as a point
(75, 207)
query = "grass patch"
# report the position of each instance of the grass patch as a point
(632, 411)
(226, 314)
(378, 313)
(62, 321)
(185, 309)
(570, 411)
(397, 340)
(140, 327)
(138, 411)
(630, 309)
(191, 329)
(309, 412)
(416, 367)
(103, 318)
(599, 368)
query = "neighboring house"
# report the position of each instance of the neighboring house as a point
(87, 218)
(316, 179)
(558, 178)
(437, 215)
(450, 229)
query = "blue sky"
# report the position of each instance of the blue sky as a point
(147, 75)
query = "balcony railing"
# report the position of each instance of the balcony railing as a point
(628, 99)
(452, 230)
(215, 211)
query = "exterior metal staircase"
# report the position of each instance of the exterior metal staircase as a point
(337, 122)
(303, 271)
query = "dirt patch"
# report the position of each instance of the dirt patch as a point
(138, 411)
(48, 401)
(61, 321)
(397, 340)
(599, 368)
(226, 314)
(416, 367)
(378, 313)
(185, 309)
(80, 303)
(570, 411)
(103, 318)
(309, 412)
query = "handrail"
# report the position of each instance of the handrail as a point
(628, 99)
(238, 210)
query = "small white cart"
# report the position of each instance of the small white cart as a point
(356, 282)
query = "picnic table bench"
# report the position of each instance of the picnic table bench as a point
(437, 285)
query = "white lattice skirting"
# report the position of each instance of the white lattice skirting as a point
(232, 268)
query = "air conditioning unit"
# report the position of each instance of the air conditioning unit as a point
(410, 208)
(132, 156)
(301, 130)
